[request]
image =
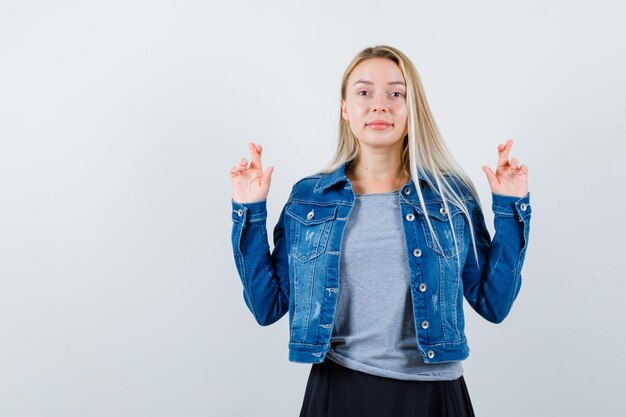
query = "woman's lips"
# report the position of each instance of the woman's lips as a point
(378, 126)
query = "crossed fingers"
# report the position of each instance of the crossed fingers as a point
(255, 152)
(513, 164)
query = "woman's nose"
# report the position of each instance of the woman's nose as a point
(380, 108)
(380, 105)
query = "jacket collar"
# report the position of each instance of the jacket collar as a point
(339, 175)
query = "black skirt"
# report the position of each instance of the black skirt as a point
(333, 390)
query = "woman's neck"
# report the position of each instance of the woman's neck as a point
(369, 177)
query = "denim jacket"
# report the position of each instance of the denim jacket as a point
(301, 274)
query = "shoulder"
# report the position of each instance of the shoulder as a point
(464, 188)
(305, 186)
(322, 187)
(308, 181)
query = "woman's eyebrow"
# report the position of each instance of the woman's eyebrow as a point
(369, 82)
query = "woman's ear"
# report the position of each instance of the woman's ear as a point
(344, 113)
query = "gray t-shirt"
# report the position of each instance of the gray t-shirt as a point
(374, 330)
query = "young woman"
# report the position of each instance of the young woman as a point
(374, 254)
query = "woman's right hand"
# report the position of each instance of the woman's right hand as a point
(250, 183)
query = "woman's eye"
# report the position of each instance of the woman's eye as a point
(395, 93)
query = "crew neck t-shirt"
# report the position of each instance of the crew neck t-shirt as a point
(374, 329)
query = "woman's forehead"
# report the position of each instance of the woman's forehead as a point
(376, 70)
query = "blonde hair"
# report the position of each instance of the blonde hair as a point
(424, 150)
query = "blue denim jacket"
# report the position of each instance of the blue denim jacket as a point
(301, 274)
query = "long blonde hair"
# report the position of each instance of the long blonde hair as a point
(424, 150)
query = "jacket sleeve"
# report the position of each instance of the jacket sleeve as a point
(491, 285)
(264, 275)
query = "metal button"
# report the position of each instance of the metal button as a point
(410, 217)
(310, 215)
(407, 191)
(425, 324)
(523, 206)
(431, 354)
(422, 287)
(417, 253)
(240, 212)
(442, 210)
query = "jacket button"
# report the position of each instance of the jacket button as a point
(417, 253)
(523, 206)
(442, 210)
(310, 215)
(407, 191)
(425, 324)
(240, 212)
(422, 287)
(431, 354)
(410, 217)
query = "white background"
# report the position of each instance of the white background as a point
(119, 121)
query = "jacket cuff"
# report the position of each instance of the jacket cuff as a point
(507, 205)
(249, 212)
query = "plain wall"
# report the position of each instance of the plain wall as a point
(120, 120)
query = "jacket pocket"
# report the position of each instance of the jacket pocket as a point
(310, 229)
(441, 225)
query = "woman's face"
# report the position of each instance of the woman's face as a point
(376, 91)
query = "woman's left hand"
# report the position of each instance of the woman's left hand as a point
(510, 178)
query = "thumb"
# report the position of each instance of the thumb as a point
(267, 178)
(491, 177)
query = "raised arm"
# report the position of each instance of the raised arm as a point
(491, 285)
(264, 274)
